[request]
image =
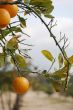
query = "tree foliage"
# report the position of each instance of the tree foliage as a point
(59, 78)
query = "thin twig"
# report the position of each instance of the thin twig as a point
(2, 36)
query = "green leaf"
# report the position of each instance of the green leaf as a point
(49, 16)
(5, 33)
(48, 55)
(40, 2)
(45, 6)
(60, 60)
(27, 2)
(20, 61)
(12, 44)
(16, 29)
(22, 21)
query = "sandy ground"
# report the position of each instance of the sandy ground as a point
(41, 101)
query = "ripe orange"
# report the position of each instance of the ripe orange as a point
(12, 9)
(4, 18)
(7, 0)
(20, 85)
(2, 0)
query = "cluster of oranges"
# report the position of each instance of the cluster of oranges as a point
(7, 12)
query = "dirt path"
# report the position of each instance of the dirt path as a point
(41, 101)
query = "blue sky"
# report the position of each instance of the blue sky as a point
(40, 37)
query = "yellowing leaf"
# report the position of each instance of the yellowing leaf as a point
(61, 73)
(60, 60)
(12, 44)
(48, 55)
(70, 59)
(65, 54)
(20, 61)
(57, 86)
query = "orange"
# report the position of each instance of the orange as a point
(2, 0)
(20, 85)
(7, 0)
(4, 18)
(12, 9)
